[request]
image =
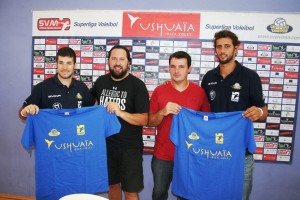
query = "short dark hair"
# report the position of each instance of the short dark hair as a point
(120, 47)
(225, 34)
(181, 54)
(66, 52)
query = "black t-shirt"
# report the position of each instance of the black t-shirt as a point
(132, 96)
(240, 90)
(51, 93)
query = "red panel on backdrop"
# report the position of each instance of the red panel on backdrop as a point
(161, 25)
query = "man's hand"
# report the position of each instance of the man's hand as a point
(253, 113)
(113, 107)
(30, 109)
(171, 108)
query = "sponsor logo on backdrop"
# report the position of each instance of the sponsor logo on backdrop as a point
(158, 24)
(53, 24)
(280, 26)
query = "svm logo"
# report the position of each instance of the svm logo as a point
(53, 24)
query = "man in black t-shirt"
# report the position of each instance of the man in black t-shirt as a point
(126, 96)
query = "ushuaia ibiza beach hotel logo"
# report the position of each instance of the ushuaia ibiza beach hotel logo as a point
(54, 24)
(279, 26)
(161, 25)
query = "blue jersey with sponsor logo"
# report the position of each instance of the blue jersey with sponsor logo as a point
(210, 153)
(70, 150)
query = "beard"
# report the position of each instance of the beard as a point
(61, 75)
(229, 59)
(118, 75)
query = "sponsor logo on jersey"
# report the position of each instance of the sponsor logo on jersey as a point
(54, 96)
(54, 132)
(212, 83)
(57, 105)
(83, 145)
(194, 136)
(235, 96)
(78, 96)
(212, 95)
(80, 130)
(236, 86)
(219, 138)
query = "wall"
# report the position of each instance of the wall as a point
(271, 181)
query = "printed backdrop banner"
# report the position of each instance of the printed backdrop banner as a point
(248, 26)
(270, 45)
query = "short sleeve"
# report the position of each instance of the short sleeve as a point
(35, 96)
(113, 125)
(89, 98)
(250, 141)
(256, 92)
(174, 131)
(141, 98)
(28, 134)
(154, 102)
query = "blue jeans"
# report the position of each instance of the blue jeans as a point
(162, 177)
(248, 176)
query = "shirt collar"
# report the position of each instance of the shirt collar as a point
(236, 70)
(59, 84)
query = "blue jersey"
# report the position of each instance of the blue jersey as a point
(210, 153)
(70, 150)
